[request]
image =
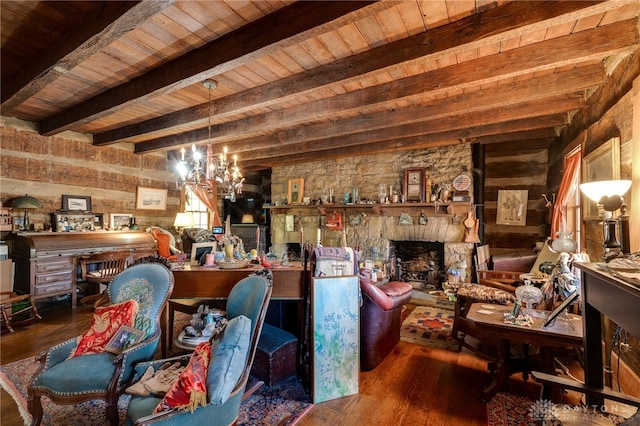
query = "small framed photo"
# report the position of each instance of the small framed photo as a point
(296, 191)
(601, 164)
(414, 189)
(512, 207)
(557, 311)
(151, 198)
(124, 338)
(203, 248)
(119, 220)
(81, 203)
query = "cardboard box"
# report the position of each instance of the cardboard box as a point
(6, 275)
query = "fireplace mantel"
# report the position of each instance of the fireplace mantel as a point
(451, 208)
(373, 227)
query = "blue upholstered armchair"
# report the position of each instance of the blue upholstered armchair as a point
(249, 298)
(105, 375)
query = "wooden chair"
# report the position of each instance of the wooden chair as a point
(505, 278)
(69, 380)
(106, 266)
(12, 304)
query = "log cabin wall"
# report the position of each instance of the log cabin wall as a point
(517, 165)
(611, 116)
(48, 167)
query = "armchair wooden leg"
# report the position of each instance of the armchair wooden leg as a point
(112, 413)
(35, 408)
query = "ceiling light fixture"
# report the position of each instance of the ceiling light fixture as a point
(210, 171)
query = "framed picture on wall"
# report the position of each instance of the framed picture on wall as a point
(80, 203)
(295, 191)
(151, 198)
(512, 207)
(603, 163)
(120, 220)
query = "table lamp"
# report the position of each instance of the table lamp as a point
(183, 220)
(608, 194)
(26, 202)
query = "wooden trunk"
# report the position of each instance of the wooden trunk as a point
(275, 358)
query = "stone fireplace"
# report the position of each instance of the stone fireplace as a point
(378, 233)
(419, 262)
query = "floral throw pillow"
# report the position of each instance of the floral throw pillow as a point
(190, 390)
(483, 293)
(106, 322)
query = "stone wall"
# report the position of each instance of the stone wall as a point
(371, 230)
(442, 164)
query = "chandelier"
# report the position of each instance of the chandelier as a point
(209, 171)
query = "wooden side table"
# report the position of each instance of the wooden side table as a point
(562, 333)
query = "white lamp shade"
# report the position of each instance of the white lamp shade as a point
(183, 220)
(596, 190)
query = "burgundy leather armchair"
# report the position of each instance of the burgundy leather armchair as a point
(380, 319)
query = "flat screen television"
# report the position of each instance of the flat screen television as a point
(245, 206)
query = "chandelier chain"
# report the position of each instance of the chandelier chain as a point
(210, 172)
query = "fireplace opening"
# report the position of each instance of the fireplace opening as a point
(420, 263)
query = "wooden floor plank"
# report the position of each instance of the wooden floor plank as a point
(414, 385)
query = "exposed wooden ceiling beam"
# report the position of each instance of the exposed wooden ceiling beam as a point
(295, 22)
(585, 45)
(539, 126)
(472, 32)
(334, 149)
(525, 91)
(114, 19)
(550, 113)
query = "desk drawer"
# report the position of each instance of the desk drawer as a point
(53, 288)
(46, 266)
(46, 279)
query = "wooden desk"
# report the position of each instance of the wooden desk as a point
(201, 282)
(46, 262)
(558, 335)
(618, 300)
(216, 283)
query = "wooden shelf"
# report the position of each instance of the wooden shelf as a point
(450, 208)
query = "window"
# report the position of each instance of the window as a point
(566, 212)
(197, 209)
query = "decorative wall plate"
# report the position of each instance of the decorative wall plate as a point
(462, 183)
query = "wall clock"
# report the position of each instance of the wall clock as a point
(414, 185)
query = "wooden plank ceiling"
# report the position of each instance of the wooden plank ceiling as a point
(299, 81)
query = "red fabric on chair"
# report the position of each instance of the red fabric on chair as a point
(106, 322)
(190, 390)
(163, 241)
(164, 244)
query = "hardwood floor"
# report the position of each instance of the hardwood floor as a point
(415, 385)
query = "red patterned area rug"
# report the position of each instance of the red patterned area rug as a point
(506, 409)
(283, 403)
(430, 326)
